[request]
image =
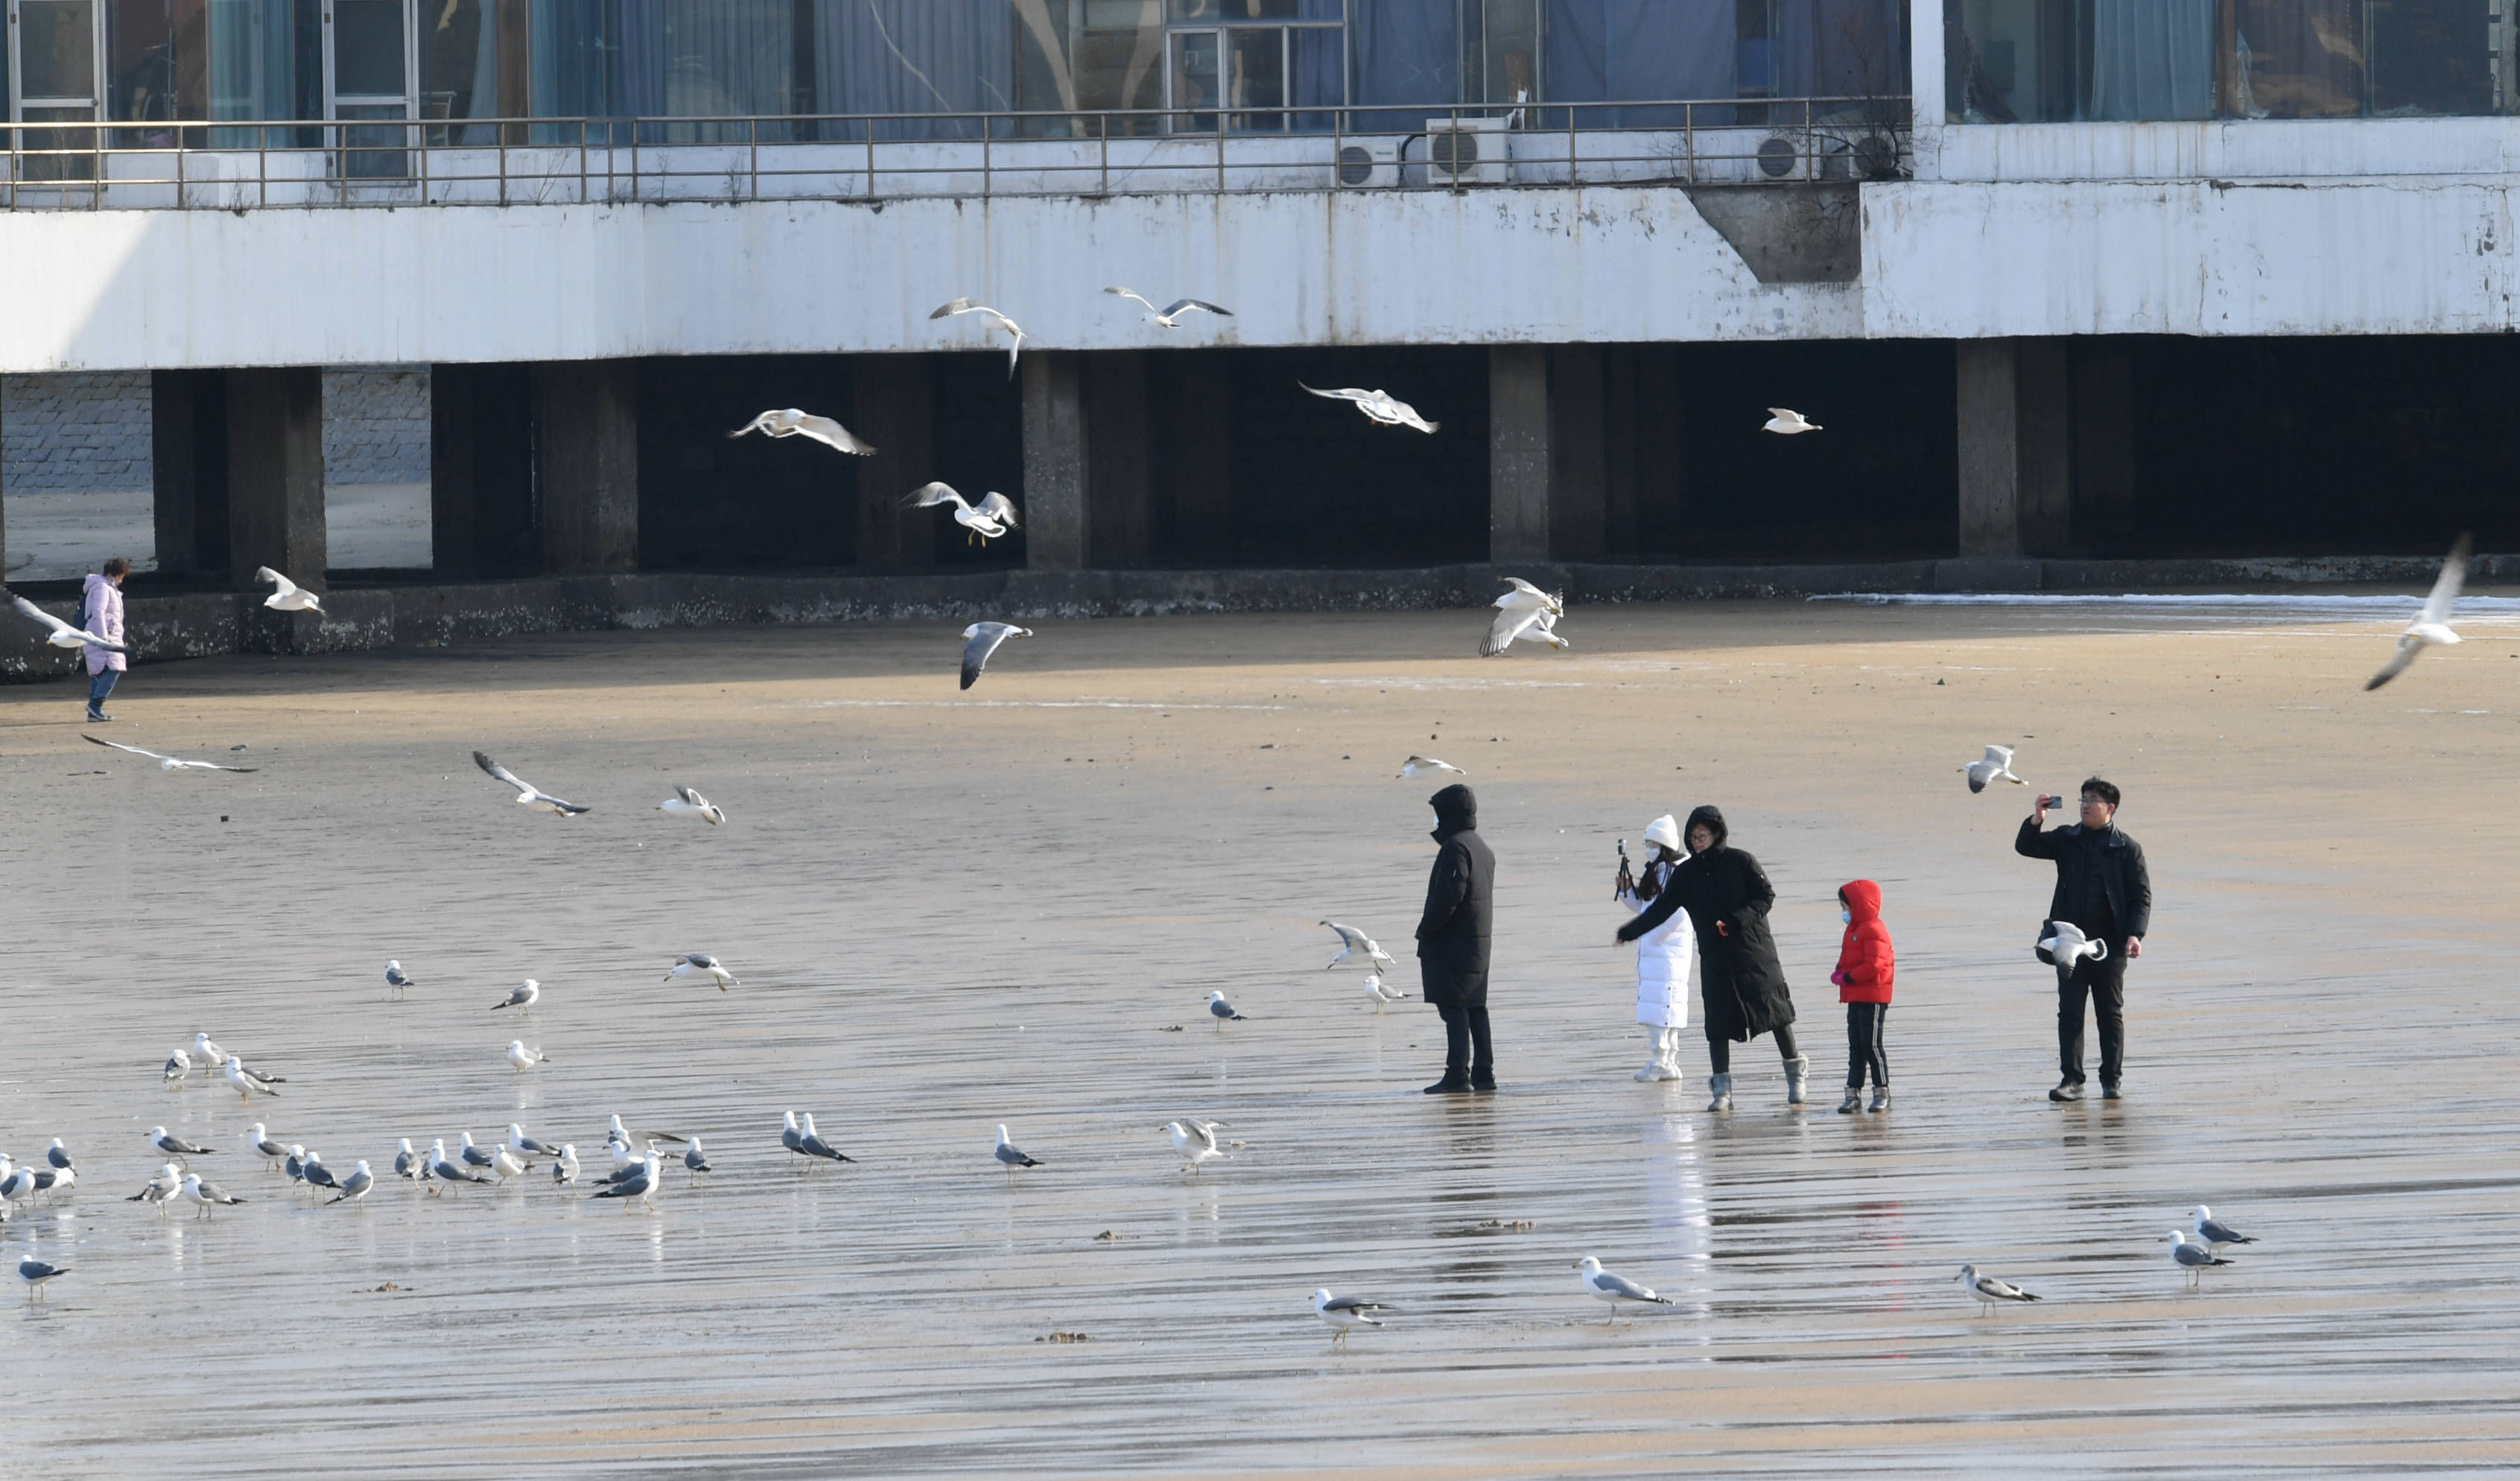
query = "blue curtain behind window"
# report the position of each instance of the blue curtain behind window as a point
(1405, 52)
(2152, 60)
(254, 68)
(915, 57)
(729, 59)
(1610, 50)
(570, 64)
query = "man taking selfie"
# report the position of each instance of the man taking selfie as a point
(2102, 888)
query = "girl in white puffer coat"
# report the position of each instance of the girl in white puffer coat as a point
(1666, 957)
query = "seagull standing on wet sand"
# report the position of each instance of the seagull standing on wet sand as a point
(523, 997)
(35, 1273)
(1997, 767)
(1221, 1010)
(179, 1065)
(2431, 627)
(1011, 1157)
(2216, 1233)
(1196, 1141)
(443, 1169)
(355, 1187)
(1344, 1314)
(1615, 1288)
(248, 1084)
(980, 641)
(397, 978)
(995, 321)
(270, 1152)
(788, 422)
(640, 1186)
(812, 1144)
(2195, 1258)
(408, 1164)
(206, 1195)
(1170, 318)
(175, 1147)
(524, 1058)
(1989, 1291)
(702, 965)
(528, 796)
(167, 1184)
(685, 803)
(565, 1166)
(695, 1161)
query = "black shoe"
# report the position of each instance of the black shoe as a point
(2066, 1090)
(99, 717)
(1486, 1087)
(1448, 1086)
(2111, 1093)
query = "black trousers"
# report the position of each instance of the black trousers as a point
(1468, 1052)
(1864, 1045)
(1718, 1052)
(2104, 984)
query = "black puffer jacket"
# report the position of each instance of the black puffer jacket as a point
(2079, 851)
(1726, 895)
(1460, 904)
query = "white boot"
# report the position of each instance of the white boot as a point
(1670, 1060)
(1653, 1059)
(1797, 1072)
(1721, 1087)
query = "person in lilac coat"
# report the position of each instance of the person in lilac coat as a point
(103, 606)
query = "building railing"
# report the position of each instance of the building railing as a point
(238, 164)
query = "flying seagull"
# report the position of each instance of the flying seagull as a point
(791, 422)
(2216, 1234)
(980, 641)
(35, 1273)
(1221, 1010)
(170, 763)
(1170, 318)
(1419, 766)
(991, 518)
(1011, 1157)
(1344, 1314)
(523, 996)
(685, 803)
(527, 795)
(1194, 1140)
(395, 977)
(1527, 595)
(1379, 406)
(1785, 421)
(524, 1058)
(702, 965)
(1989, 1291)
(64, 635)
(1997, 767)
(289, 596)
(812, 1144)
(1615, 1288)
(2066, 945)
(2431, 626)
(1537, 622)
(995, 321)
(1352, 941)
(2195, 1258)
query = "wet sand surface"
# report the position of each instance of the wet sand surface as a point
(950, 911)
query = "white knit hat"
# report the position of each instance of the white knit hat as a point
(1664, 831)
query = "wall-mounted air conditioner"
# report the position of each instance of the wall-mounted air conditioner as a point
(1368, 163)
(1782, 156)
(1465, 151)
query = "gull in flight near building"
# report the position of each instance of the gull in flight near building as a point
(685, 803)
(2195, 1258)
(527, 795)
(1353, 941)
(1989, 1291)
(1785, 421)
(1379, 406)
(524, 995)
(1419, 766)
(288, 597)
(2431, 627)
(2216, 1234)
(1615, 1288)
(524, 1058)
(995, 321)
(395, 977)
(791, 422)
(980, 642)
(702, 965)
(63, 633)
(991, 518)
(1170, 318)
(1344, 1314)
(1997, 767)
(1519, 611)
(170, 763)
(1196, 1141)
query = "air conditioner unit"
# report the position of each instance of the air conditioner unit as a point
(1781, 158)
(1465, 151)
(1367, 163)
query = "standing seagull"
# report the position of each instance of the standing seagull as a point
(524, 1058)
(685, 803)
(1352, 941)
(1419, 766)
(791, 422)
(640, 1185)
(2195, 1258)
(979, 640)
(58, 1155)
(702, 965)
(1011, 1157)
(995, 321)
(206, 1195)
(397, 978)
(1989, 1291)
(248, 1084)
(1194, 1140)
(288, 597)
(408, 1164)
(565, 1166)
(1344, 1314)
(1379, 406)
(179, 1064)
(1221, 1010)
(35, 1273)
(1997, 767)
(168, 1184)
(790, 1137)
(527, 1146)
(174, 1146)
(63, 633)
(988, 520)
(170, 763)
(443, 1169)
(812, 1144)
(2431, 627)
(271, 1152)
(208, 1052)
(1615, 1288)
(527, 795)
(2218, 1235)
(524, 995)
(1785, 421)
(1170, 318)
(355, 1187)
(695, 1161)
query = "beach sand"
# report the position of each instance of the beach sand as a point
(953, 910)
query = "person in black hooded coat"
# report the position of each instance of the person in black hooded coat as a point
(1453, 941)
(1740, 981)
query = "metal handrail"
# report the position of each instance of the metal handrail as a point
(232, 163)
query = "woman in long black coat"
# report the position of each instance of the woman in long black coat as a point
(1741, 980)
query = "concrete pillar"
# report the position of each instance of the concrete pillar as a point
(1203, 456)
(1518, 457)
(2016, 448)
(1054, 504)
(1119, 528)
(586, 452)
(480, 472)
(275, 423)
(1577, 507)
(894, 400)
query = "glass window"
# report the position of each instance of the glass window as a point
(927, 57)
(1220, 57)
(56, 51)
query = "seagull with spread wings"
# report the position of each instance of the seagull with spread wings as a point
(980, 641)
(1997, 767)
(685, 803)
(2431, 627)
(1379, 406)
(788, 422)
(995, 321)
(288, 596)
(64, 635)
(527, 795)
(170, 763)
(1353, 941)
(1170, 318)
(991, 518)
(1785, 421)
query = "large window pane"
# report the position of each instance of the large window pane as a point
(367, 48)
(925, 57)
(460, 66)
(1197, 76)
(2432, 57)
(729, 58)
(57, 48)
(1616, 50)
(1256, 77)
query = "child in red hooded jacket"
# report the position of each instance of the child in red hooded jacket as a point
(1864, 968)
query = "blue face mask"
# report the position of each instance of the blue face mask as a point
(1846, 915)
